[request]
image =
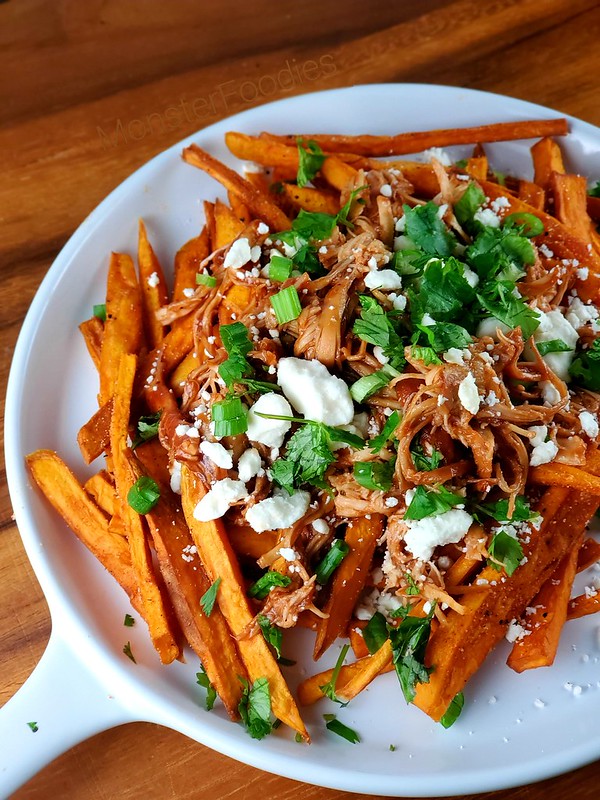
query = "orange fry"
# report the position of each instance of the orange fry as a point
(187, 264)
(588, 554)
(102, 488)
(554, 474)
(93, 333)
(583, 605)
(153, 287)
(547, 158)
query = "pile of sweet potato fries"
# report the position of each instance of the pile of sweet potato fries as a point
(157, 353)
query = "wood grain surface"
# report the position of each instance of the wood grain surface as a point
(90, 91)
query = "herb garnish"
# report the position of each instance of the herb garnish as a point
(128, 652)
(211, 693)
(261, 588)
(409, 641)
(143, 495)
(453, 711)
(331, 561)
(207, 601)
(335, 726)
(147, 428)
(129, 621)
(310, 161)
(255, 707)
(505, 551)
(273, 635)
(430, 502)
(328, 688)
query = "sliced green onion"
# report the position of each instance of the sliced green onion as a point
(202, 279)
(374, 475)
(143, 495)
(368, 385)
(229, 417)
(280, 268)
(261, 588)
(533, 225)
(335, 726)
(453, 710)
(382, 438)
(286, 305)
(100, 311)
(338, 552)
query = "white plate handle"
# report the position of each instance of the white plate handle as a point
(67, 704)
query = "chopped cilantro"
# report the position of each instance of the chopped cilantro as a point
(298, 738)
(443, 291)
(310, 161)
(33, 726)
(375, 632)
(392, 748)
(236, 342)
(425, 354)
(128, 652)
(314, 225)
(331, 561)
(328, 688)
(342, 215)
(376, 327)
(409, 641)
(211, 694)
(470, 201)
(430, 502)
(528, 224)
(453, 711)
(412, 588)
(423, 462)
(255, 707)
(335, 726)
(261, 588)
(499, 300)
(505, 551)
(499, 510)
(207, 601)
(585, 369)
(427, 230)
(129, 621)
(374, 475)
(444, 335)
(147, 428)
(378, 442)
(273, 635)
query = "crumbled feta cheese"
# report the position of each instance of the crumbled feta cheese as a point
(550, 393)
(153, 280)
(439, 154)
(579, 314)
(315, 392)
(400, 225)
(255, 253)
(238, 255)
(468, 393)
(583, 273)
(454, 355)
(398, 301)
(427, 319)
(270, 432)
(589, 424)
(379, 355)
(516, 631)
(279, 511)
(176, 477)
(471, 277)
(500, 203)
(219, 497)
(189, 292)
(262, 229)
(491, 399)
(320, 526)
(249, 464)
(487, 217)
(543, 451)
(424, 535)
(383, 279)
(554, 326)
(391, 502)
(217, 454)
(386, 190)
(288, 553)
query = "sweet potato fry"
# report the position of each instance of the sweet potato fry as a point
(337, 173)
(186, 583)
(94, 436)
(570, 202)
(593, 207)
(181, 372)
(227, 225)
(260, 205)
(246, 542)
(538, 648)
(102, 488)
(583, 605)
(93, 333)
(123, 326)
(477, 167)
(309, 199)
(547, 158)
(357, 642)
(422, 176)
(458, 647)
(348, 581)
(239, 208)
(220, 561)
(589, 554)
(554, 474)
(83, 516)
(154, 606)
(532, 194)
(401, 143)
(187, 262)
(153, 287)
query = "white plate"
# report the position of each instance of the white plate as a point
(514, 729)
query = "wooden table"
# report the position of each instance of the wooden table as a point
(84, 88)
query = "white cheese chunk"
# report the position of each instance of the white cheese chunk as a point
(315, 392)
(176, 477)
(320, 526)
(249, 464)
(219, 497)
(270, 432)
(279, 511)
(543, 452)
(424, 535)
(550, 393)
(218, 454)
(589, 424)
(468, 394)
(579, 314)
(489, 326)
(383, 279)
(487, 217)
(238, 255)
(471, 277)
(554, 326)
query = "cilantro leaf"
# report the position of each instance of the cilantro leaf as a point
(409, 641)
(499, 510)
(328, 688)
(128, 652)
(310, 161)
(425, 354)
(453, 711)
(255, 707)
(375, 632)
(505, 551)
(342, 215)
(261, 588)
(496, 252)
(314, 225)
(129, 621)
(378, 442)
(33, 726)
(236, 342)
(424, 462)
(273, 635)
(585, 369)
(427, 230)
(430, 502)
(444, 335)
(211, 694)
(374, 475)
(498, 299)
(376, 327)
(335, 726)
(207, 601)
(470, 201)
(443, 291)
